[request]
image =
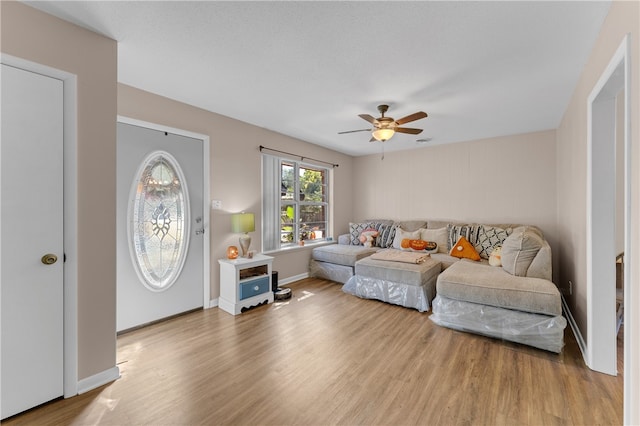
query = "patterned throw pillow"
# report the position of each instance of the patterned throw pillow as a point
(355, 229)
(469, 232)
(490, 237)
(386, 233)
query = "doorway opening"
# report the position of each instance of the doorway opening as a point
(608, 207)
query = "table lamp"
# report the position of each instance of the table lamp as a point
(243, 223)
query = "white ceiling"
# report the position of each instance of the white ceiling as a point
(307, 69)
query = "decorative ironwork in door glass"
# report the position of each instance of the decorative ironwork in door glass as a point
(159, 221)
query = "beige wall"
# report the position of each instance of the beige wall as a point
(623, 18)
(507, 179)
(236, 171)
(38, 37)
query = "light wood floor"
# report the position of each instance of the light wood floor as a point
(326, 357)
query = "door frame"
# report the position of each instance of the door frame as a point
(70, 214)
(206, 264)
(601, 330)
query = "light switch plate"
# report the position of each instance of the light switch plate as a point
(216, 204)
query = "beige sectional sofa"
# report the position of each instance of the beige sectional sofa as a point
(516, 301)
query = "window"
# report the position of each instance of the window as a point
(158, 218)
(295, 203)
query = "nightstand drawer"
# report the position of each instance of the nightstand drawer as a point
(254, 287)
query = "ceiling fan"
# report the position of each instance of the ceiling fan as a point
(385, 127)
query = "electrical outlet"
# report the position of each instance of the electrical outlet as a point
(216, 204)
(567, 290)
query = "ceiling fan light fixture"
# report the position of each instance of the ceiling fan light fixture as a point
(383, 134)
(385, 127)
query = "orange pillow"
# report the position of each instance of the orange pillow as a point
(464, 250)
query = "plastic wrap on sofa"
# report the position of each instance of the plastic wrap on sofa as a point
(409, 296)
(330, 271)
(537, 330)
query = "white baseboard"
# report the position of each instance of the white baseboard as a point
(292, 279)
(97, 380)
(576, 331)
(213, 303)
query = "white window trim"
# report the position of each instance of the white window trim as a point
(272, 202)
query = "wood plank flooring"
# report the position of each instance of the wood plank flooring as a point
(325, 357)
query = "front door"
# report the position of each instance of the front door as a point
(31, 225)
(160, 225)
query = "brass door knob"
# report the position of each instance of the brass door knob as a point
(49, 259)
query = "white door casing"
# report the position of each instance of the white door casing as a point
(601, 351)
(138, 302)
(32, 153)
(601, 189)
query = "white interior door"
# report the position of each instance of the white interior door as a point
(160, 225)
(31, 225)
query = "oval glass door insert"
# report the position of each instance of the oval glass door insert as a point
(159, 221)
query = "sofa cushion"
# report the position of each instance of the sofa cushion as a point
(445, 259)
(480, 283)
(341, 254)
(519, 249)
(381, 221)
(437, 224)
(412, 225)
(344, 239)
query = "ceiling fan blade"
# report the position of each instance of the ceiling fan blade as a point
(368, 118)
(353, 131)
(373, 139)
(408, 130)
(413, 117)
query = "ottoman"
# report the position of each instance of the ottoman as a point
(406, 284)
(335, 262)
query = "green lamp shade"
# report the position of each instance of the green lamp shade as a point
(243, 222)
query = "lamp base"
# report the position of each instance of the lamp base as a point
(245, 242)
